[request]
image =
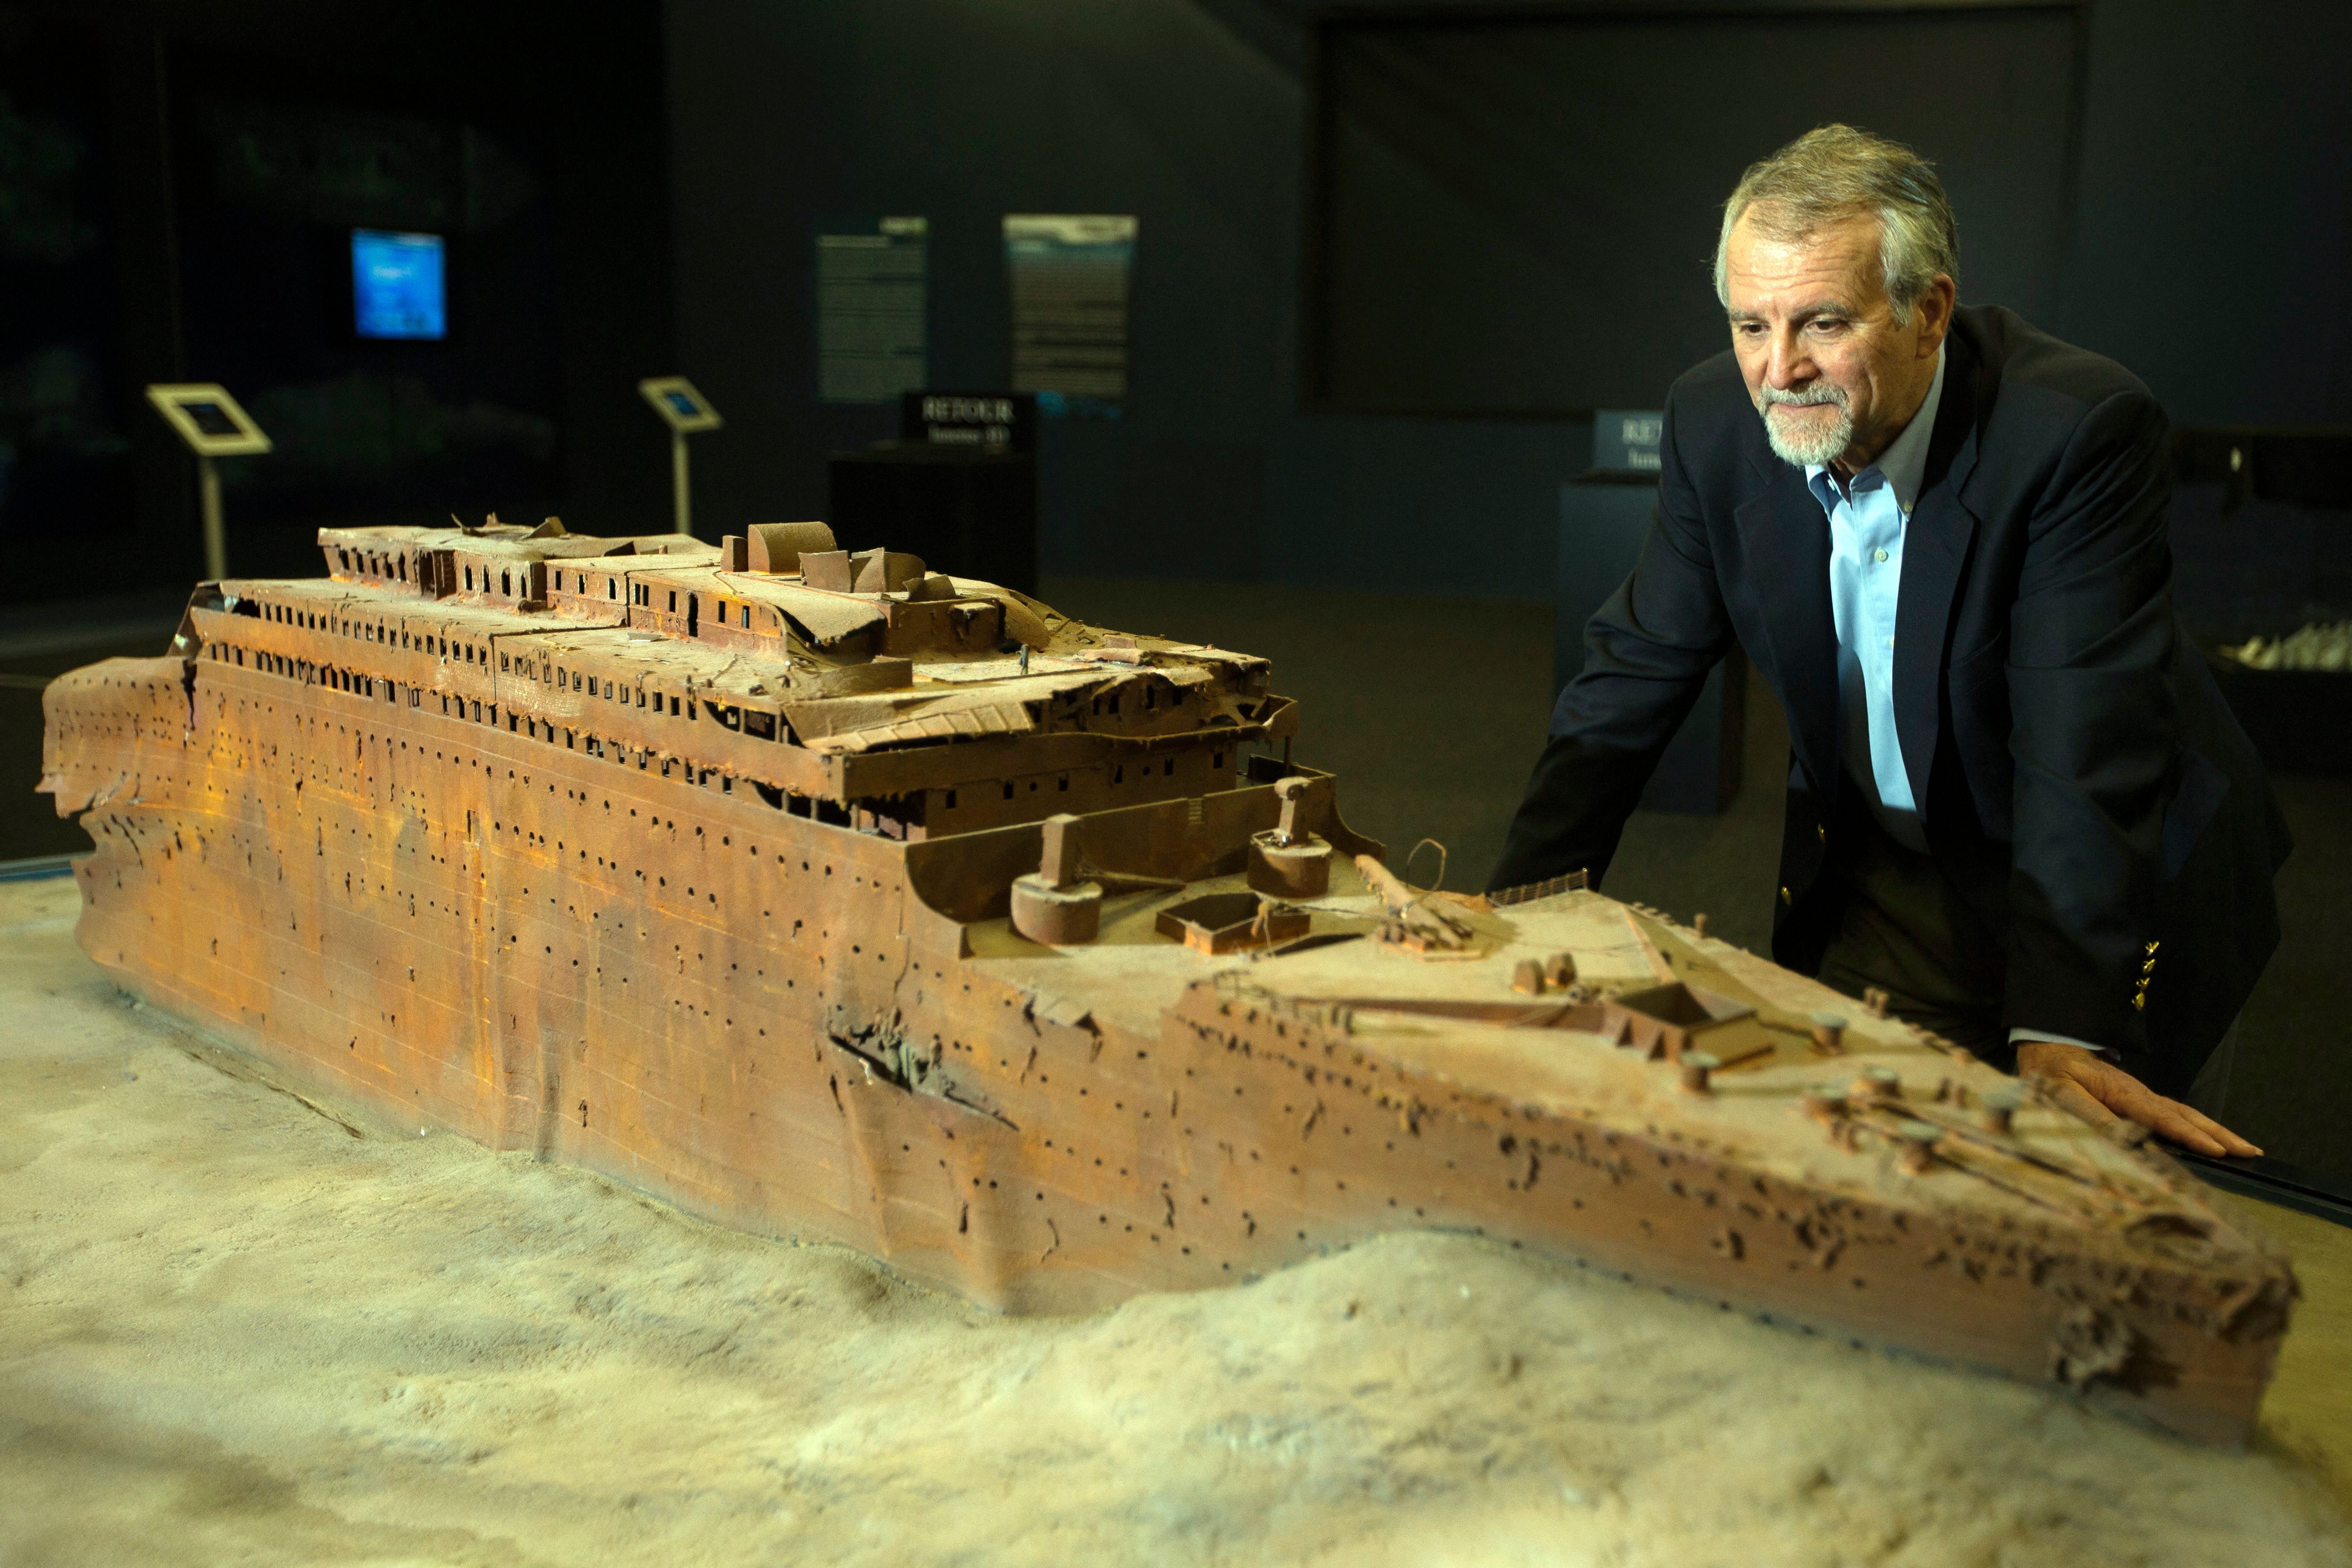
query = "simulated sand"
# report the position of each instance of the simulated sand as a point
(235, 1327)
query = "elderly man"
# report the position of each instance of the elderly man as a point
(2017, 803)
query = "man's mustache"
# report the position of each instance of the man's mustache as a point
(1810, 397)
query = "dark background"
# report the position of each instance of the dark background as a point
(630, 189)
(180, 184)
(2207, 248)
(1466, 168)
(1389, 256)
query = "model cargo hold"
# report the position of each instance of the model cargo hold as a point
(824, 894)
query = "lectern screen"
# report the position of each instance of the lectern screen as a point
(212, 418)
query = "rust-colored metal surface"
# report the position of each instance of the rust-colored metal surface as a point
(849, 899)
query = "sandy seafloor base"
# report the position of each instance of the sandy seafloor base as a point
(234, 1328)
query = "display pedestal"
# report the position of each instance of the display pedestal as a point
(1603, 517)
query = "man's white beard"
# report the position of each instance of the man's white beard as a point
(1815, 442)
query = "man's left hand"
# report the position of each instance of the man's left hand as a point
(2102, 1094)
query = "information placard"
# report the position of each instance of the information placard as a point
(1070, 275)
(871, 286)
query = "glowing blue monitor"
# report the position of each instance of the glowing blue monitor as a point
(396, 285)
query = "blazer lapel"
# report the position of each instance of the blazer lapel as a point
(1787, 540)
(1936, 541)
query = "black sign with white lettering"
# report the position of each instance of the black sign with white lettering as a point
(995, 421)
(1626, 439)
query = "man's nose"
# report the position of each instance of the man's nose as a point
(1787, 366)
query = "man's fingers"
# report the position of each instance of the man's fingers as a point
(2127, 1097)
(2102, 1094)
(2080, 1100)
(2183, 1124)
(2168, 1120)
(2231, 1142)
(2103, 1097)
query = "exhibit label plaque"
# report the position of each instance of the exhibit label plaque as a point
(993, 421)
(1070, 308)
(871, 284)
(1626, 439)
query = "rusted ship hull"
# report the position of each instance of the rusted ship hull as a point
(795, 1027)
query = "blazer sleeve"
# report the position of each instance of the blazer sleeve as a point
(1647, 652)
(2095, 733)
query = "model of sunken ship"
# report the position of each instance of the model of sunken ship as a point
(826, 894)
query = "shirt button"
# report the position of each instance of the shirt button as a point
(1879, 555)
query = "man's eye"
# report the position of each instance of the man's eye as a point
(1826, 326)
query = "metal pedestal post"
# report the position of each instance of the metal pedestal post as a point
(215, 537)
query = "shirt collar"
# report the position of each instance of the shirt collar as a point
(1903, 465)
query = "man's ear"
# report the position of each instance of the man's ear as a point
(1935, 311)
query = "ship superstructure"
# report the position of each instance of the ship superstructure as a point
(824, 894)
(834, 704)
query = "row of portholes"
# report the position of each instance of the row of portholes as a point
(376, 632)
(476, 579)
(390, 568)
(755, 722)
(431, 645)
(580, 582)
(474, 710)
(547, 672)
(747, 721)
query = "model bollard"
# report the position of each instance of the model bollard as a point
(1918, 1146)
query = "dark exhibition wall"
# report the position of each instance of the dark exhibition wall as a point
(1506, 214)
(1387, 255)
(2165, 182)
(184, 185)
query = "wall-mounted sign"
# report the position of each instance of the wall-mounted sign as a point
(1626, 439)
(996, 421)
(1070, 308)
(871, 283)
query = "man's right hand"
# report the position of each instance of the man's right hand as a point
(2102, 1094)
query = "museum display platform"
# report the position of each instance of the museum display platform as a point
(247, 1325)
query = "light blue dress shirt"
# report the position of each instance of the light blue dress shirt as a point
(1866, 522)
(1866, 519)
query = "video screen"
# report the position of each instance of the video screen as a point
(396, 285)
(212, 419)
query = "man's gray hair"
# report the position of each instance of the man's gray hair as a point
(1836, 173)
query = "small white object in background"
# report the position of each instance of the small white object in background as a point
(2316, 647)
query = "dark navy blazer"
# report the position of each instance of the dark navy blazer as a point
(2072, 757)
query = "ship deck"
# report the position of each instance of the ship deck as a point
(2052, 1167)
